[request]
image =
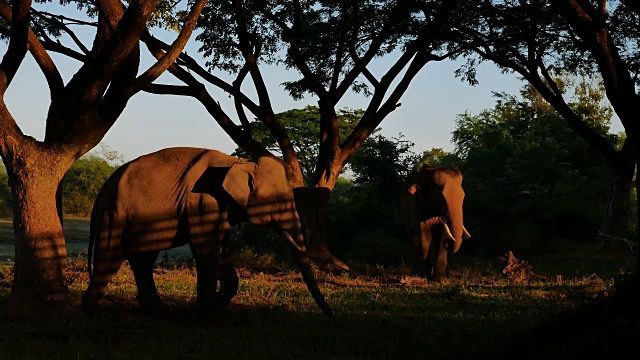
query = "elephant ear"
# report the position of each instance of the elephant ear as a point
(239, 182)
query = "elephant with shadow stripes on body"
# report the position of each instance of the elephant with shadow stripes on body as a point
(193, 196)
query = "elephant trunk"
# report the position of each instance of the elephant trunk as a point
(456, 224)
(304, 264)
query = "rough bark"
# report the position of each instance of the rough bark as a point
(312, 204)
(39, 289)
(616, 218)
(637, 269)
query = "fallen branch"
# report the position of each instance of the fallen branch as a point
(517, 271)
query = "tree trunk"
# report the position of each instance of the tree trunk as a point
(637, 268)
(312, 204)
(616, 218)
(39, 291)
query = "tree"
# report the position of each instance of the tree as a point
(331, 45)
(80, 113)
(541, 40)
(530, 180)
(438, 157)
(366, 215)
(303, 125)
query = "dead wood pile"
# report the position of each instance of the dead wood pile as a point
(517, 271)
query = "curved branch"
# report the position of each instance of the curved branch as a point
(165, 89)
(173, 52)
(154, 45)
(50, 17)
(375, 113)
(250, 57)
(198, 91)
(18, 41)
(112, 47)
(237, 84)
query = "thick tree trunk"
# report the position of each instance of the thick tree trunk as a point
(39, 291)
(312, 204)
(616, 218)
(637, 268)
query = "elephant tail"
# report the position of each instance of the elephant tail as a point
(92, 234)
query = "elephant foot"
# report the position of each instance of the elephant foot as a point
(442, 280)
(156, 307)
(222, 302)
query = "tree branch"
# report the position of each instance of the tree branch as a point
(374, 47)
(237, 85)
(633, 5)
(165, 89)
(111, 48)
(37, 50)
(373, 115)
(199, 92)
(619, 84)
(337, 64)
(18, 42)
(50, 17)
(267, 116)
(173, 52)
(154, 44)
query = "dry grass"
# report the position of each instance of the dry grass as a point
(380, 313)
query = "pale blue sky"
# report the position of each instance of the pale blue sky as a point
(152, 122)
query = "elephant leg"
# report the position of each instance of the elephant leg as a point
(441, 271)
(103, 270)
(227, 276)
(425, 237)
(416, 253)
(142, 267)
(207, 255)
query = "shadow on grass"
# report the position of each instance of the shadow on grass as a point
(245, 332)
(441, 323)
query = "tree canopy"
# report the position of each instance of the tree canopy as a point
(540, 179)
(303, 125)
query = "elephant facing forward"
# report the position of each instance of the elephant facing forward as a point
(431, 200)
(192, 196)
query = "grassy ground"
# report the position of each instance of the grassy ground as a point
(380, 313)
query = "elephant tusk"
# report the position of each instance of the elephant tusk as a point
(447, 231)
(293, 242)
(465, 232)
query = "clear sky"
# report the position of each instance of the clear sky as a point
(152, 122)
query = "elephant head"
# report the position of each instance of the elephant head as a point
(438, 202)
(262, 191)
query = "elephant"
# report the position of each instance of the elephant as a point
(431, 200)
(194, 196)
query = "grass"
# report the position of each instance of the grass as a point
(383, 315)
(380, 313)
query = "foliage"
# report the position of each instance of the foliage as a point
(303, 127)
(325, 35)
(5, 193)
(85, 178)
(529, 179)
(365, 224)
(438, 157)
